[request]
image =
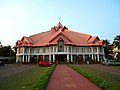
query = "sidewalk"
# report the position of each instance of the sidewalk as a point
(65, 78)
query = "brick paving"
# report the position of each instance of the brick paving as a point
(65, 78)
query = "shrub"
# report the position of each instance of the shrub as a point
(101, 83)
(42, 82)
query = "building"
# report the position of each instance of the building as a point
(60, 44)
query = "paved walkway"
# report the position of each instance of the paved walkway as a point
(65, 78)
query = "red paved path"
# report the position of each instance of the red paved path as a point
(65, 78)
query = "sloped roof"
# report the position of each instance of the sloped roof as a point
(52, 36)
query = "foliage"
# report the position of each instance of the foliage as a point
(107, 48)
(100, 82)
(42, 82)
(7, 51)
(116, 41)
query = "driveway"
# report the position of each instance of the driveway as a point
(110, 69)
(11, 69)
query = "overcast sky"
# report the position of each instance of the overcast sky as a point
(20, 18)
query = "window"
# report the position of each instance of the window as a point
(26, 50)
(43, 50)
(90, 50)
(100, 49)
(31, 50)
(54, 49)
(95, 50)
(60, 45)
(38, 50)
(69, 48)
(66, 48)
(83, 50)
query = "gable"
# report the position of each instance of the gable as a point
(60, 36)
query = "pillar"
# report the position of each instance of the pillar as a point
(98, 58)
(71, 58)
(23, 58)
(28, 58)
(53, 57)
(50, 57)
(43, 57)
(92, 57)
(53, 49)
(83, 57)
(67, 57)
(23, 54)
(29, 55)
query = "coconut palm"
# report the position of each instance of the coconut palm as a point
(116, 41)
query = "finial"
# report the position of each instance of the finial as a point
(59, 19)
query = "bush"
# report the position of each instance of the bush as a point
(101, 83)
(42, 82)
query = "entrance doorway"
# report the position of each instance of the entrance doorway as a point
(61, 58)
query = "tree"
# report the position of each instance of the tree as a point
(107, 48)
(116, 41)
(0, 44)
(7, 51)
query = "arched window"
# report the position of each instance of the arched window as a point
(60, 45)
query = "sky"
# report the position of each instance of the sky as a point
(20, 18)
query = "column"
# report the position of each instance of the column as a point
(53, 57)
(43, 57)
(71, 58)
(28, 58)
(50, 57)
(23, 59)
(29, 55)
(92, 53)
(53, 49)
(98, 57)
(67, 57)
(83, 57)
(17, 58)
(92, 57)
(23, 54)
(98, 54)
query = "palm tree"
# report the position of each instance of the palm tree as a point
(107, 48)
(116, 41)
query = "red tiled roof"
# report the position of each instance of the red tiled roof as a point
(52, 36)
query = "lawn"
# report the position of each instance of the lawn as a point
(27, 80)
(106, 80)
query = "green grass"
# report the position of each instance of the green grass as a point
(42, 82)
(105, 80)
(25, 80)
